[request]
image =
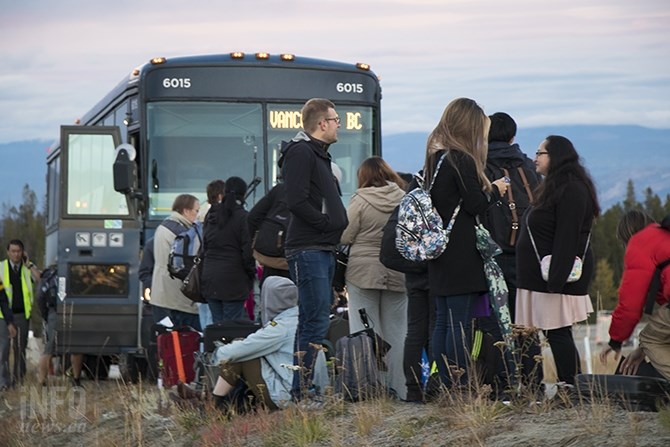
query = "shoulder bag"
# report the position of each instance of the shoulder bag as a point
(545, 262)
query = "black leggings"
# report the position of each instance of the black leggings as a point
(566, 356)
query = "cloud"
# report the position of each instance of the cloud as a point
(601, 62)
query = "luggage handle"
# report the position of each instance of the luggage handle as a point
(181, 374)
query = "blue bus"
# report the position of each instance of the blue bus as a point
(183, 121)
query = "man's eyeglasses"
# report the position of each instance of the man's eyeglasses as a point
(336, 119)
(538, 153)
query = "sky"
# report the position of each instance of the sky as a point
(544, 63)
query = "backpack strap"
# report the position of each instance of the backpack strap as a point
(174, 226)
(437, 169)
(654, 286)
(512, 207)
(526, 185)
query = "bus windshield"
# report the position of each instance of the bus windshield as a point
(191, 143)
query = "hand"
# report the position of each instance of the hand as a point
(631, 363)
(607, 350)
(12, 330)
(502, 184)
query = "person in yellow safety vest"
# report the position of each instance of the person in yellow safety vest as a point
(17, 274)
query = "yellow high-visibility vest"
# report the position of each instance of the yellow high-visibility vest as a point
(26, 287)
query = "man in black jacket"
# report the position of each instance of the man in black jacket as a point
(318, 219)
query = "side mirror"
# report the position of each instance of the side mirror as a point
(125, 169)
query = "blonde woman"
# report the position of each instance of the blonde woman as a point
(457, 276)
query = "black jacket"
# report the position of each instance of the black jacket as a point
(229, 268)
(460, 269)
(560, 231)
(318, 216)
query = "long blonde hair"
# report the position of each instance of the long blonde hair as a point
(464, 127)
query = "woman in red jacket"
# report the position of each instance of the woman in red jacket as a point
(647, 245)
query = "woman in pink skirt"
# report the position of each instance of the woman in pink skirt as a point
(558, 224)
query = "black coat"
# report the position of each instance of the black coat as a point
(229, 267)
(318, 216)
(460, 269)
(561, 231)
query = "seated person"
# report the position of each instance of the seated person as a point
(260, 358)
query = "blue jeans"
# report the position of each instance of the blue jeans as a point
(226, 310)
(312, 271)
(451, 339)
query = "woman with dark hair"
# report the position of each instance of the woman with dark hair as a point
(456, 159)
(558, 224)
(371, 286)
(229, 268)
(647, 246)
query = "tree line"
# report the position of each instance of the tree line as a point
(28, 223)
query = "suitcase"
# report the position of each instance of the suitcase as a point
(176, 352)
(636, 393)
(228, 331)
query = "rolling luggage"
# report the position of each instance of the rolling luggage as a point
(636, 393)
(176, 354)
(228, 331)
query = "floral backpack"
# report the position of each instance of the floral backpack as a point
(420, 233)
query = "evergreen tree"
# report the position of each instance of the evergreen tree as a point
(652, 205)
(26, 223)
(630, 202)
(603, 285)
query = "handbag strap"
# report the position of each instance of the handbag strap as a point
(512, 207)
(532, 240)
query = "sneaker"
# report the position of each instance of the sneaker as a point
(76, 383)
(311, 403)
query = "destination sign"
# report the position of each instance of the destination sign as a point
(291, 119)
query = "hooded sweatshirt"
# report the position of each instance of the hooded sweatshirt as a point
(273, 343)
(318, 216)
(368, 212)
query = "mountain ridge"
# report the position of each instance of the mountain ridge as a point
(613, 155)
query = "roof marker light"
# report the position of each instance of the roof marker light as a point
(237, 55)
(287, 57)
(363, 66)
(262, 56)
(157, 60)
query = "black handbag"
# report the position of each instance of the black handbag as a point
(341, 261)
(389, 255)
(190, 287)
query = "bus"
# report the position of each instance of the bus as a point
(175, 124)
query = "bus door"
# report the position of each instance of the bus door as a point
(98, 240)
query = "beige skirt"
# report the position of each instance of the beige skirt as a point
(550, 310)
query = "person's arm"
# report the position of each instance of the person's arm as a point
(638, 270)
(475, 201)
(354, 217)
(7, 311)
(264, 341)
(34, 271)
(260, 210)
(571, 211)
(298, 166)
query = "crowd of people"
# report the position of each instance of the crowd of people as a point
(474, 168)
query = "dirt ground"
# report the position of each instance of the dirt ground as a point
(112, 413)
